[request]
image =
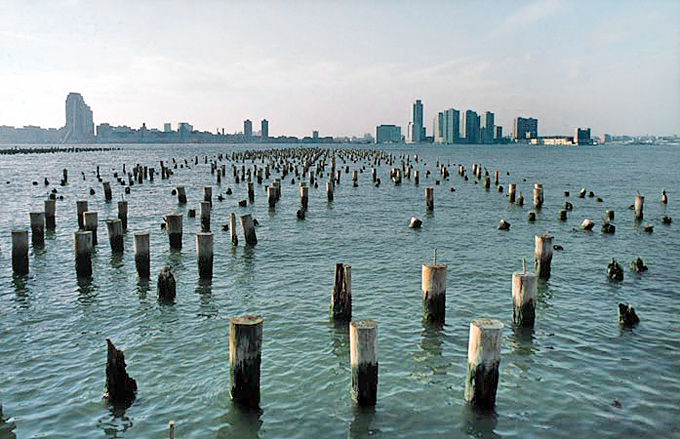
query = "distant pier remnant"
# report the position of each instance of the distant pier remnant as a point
(82, 246)
(341, 297)
(142, 256)
(538, 195)
(20, 252)
(121, 389)
(524, 287)
(330, 187)
(614, 271)
(627, 316)
(174, 230)
(50, 214)
(433, 285)
(429, 198)
(639, 205)
(664, 197)
(363, 348)
(181, 195)
(232, 229)
(543, 251)
(165, 287)
(245, 357)
(304, 196)
(107, 191)
(484, 356)
(511, 192)
(204, 254)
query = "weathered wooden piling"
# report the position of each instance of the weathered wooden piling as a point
(664, 197)
(639, 205)
(562, 215)
(141, 248)
(121, 389)
(123, 213)
(81, 208)
(50, 214)
(174, 230)
(207, 194)
(484, 357)
(107, 191)
(495, 178)
(587, 225)
(232, 229)
(543, 251)
(251, 192)
(204, 254)
(341, 297)
(20, 252)
(205, 216)
(433, 285)
(82, 247)
(363, 348)
(166, 285)
(520, 199)
(304, 196)
(90, 223)
(429, 198)
(37, 228)
(181, 195)
(271, 196)
(538, 195)
(511, 192)
(114, 228)
(248, 228)
(245, 357)
(330, 187)
(416, 178)
(524, 287)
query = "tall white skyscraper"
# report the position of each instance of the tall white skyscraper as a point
(416, 128)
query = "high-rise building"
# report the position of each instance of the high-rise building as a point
(416, 131)
(315, 135)
(387, 134)
(525, 128)
(167, 127)
(470, 126)
(79, 126)
(264, 129)
(499, 133)
(247, 129)
(438, 129)
(451, 126)
(486, 127)
(582, 136)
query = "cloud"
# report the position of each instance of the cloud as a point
(530, 14)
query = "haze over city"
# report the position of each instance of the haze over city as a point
(344, 68)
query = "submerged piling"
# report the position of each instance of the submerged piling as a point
(429, 198)
(341, 297)
(205, 216)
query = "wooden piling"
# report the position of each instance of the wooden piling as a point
(543, 251)
(429, 198)
(207, 194)
(82, 246)
(50, 214)
(304, 196)
(20, 252)
(511, 192)
(330, 187)
(363, 348)
(205, 216)
(204, 254)
(433, 285)
(416, 178)
(341, 297)
(245, 357)
(524, 287)
(248, 228)
(142, 257)
(37, 228)
(81, 208)
(271, 196)
(122, 213)
(174, 230)
(181, 195)
(114, 228)
(484, 356)
(639, 205)
(251, 192)
(90, 223)
(538, 195)
(232, 229)
(121, 389)
(166, 287)
(107, 191)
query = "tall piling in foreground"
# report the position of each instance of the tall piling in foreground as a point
(484, 357)
(82, 247)
(120, 387)
(639, 205)
(511, 192)
(543, 251)
(141, 247)
(341, 297)
(20, 251)
(304, 196)
(245, 356)
(174, 230)
(115, 229)
(204, 254)
(429, 198)
(37, 228)
(205, 216)
(248, 229)
(363, 349)
(232, 229)
(50, 214)
(90, 223)
(524, 287)
(123, 213)
(81, 208)
(433, 285)
(538, 195)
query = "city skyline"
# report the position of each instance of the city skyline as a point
(343, 69)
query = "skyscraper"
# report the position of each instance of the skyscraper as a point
(79, 126)
(264, 129)
(247, 129)
(415, 134)
(471, 127)
(525, 128)
(451, 126)
(438, 125)
(487, 127)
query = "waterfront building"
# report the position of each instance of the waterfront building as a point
(387, 134)
(470, 127)
(247, 130)
(167, 127)
(417, 130)
(79, 126)
(264, 129)
(525, 128)
(315, 135)
(451, 126)
(438, 129)
(582, 136)
(486, 128)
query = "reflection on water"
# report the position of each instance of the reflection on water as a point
(116, 260)
(115, 423)
(339, 332)
(360, 426)
(543, 294)
(242, 422)
(22, 293)
(7, 427)
(87, 291)
(174, 260)
(429, 355)
(143, 288)
(522, 340)
(479, 423)
(207, 307)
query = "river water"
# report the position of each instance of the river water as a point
(577, 374)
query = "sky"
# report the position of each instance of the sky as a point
(343, 67)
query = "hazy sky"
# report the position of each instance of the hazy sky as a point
(343, 67)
